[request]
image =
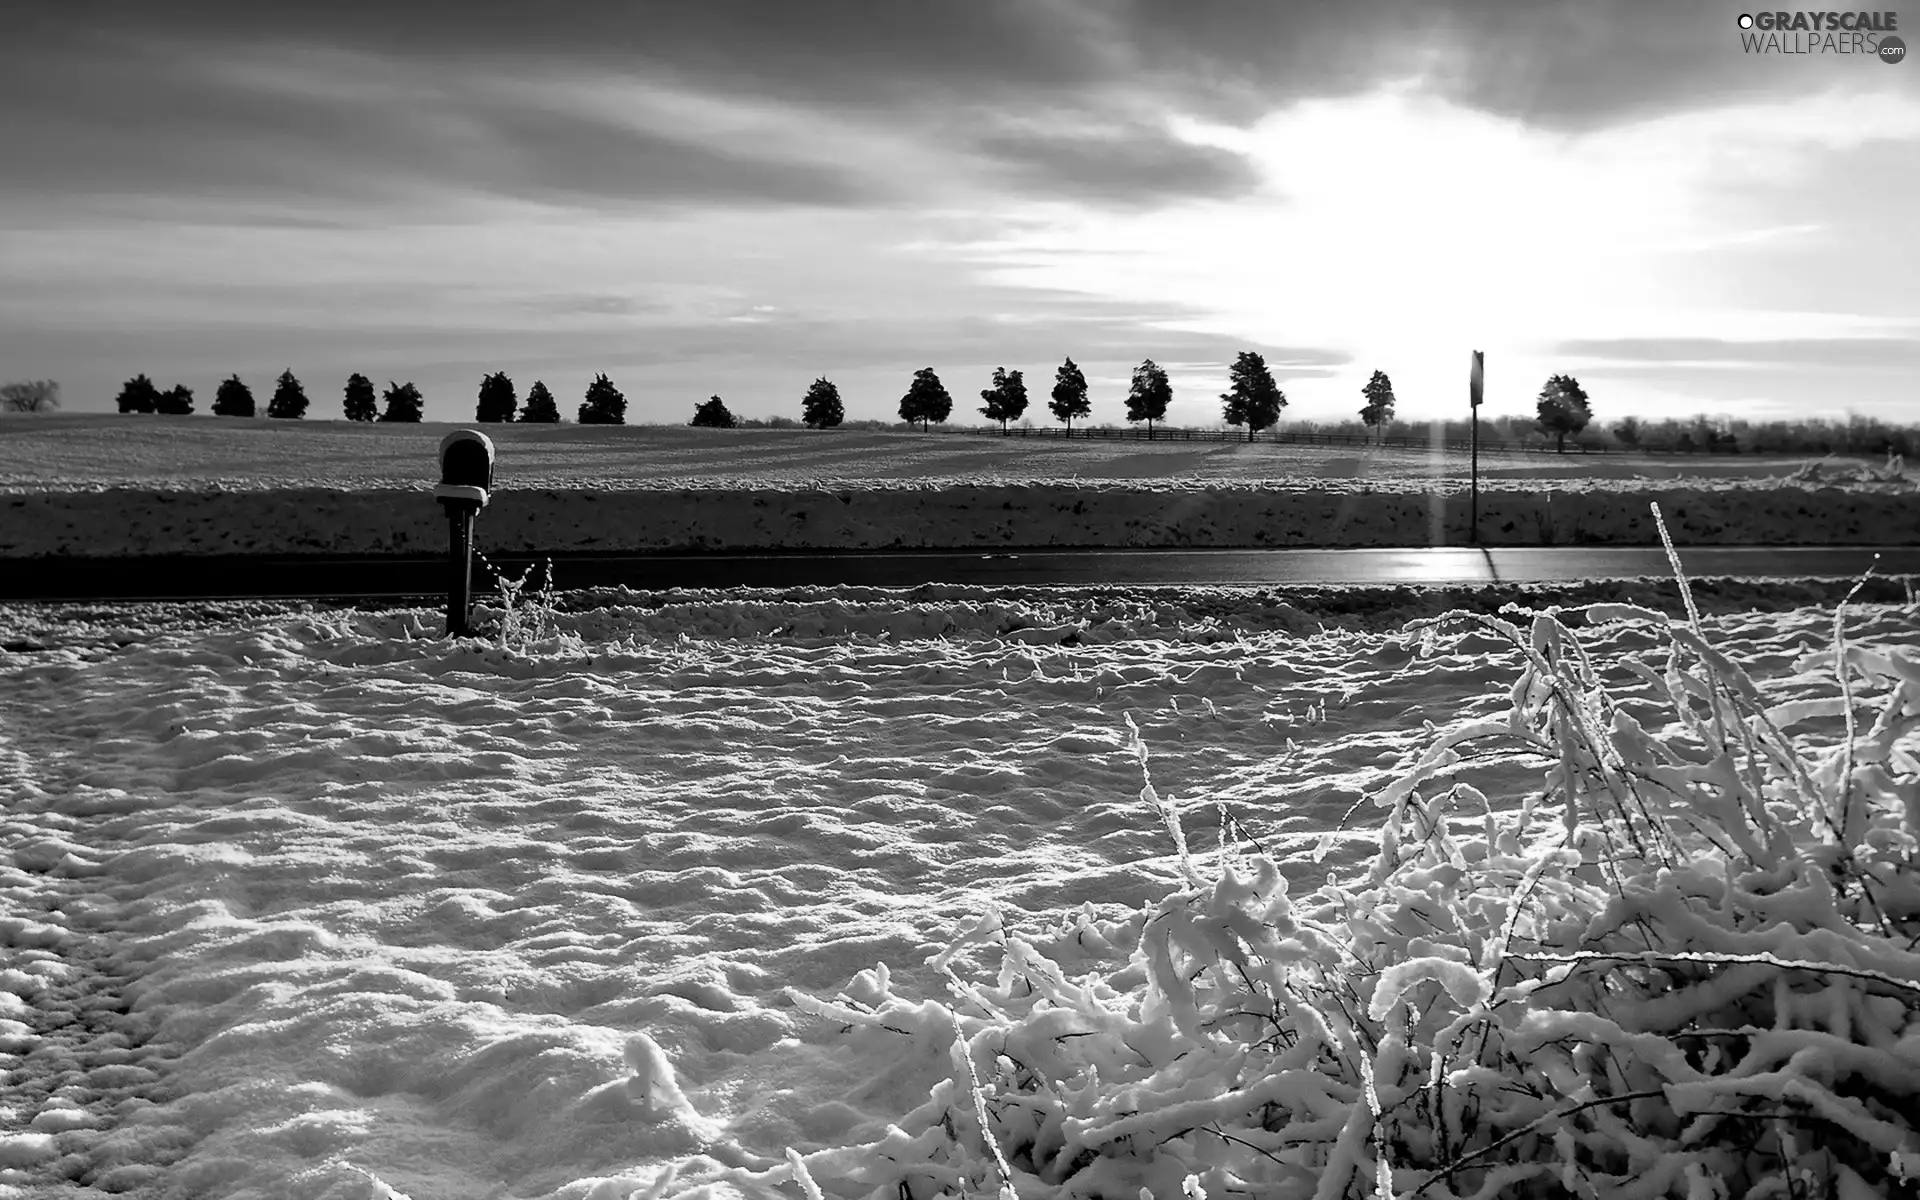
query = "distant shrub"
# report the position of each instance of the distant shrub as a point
(1377, 413)
(712, 415)
(1563, 408)
(1148, 395)
(1006, 400)
(604, 404)
(289, 398)
(30, 396)
(1068, 399)
(1253, 399)
(177, 401)
(138, 395)
(361, 403)
(820, 408)
(497, 400)
(233, 399)
(540, 408)
(403, 403)
(926, 400)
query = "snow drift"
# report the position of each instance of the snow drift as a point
(252, 519)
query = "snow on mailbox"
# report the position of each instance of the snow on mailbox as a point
(466, 479)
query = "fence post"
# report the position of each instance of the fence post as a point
(466, 480)
(1476, 384)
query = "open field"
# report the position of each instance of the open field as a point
(103, 485)
(90, 449)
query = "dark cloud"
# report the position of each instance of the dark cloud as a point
(1835, 352)
(112, 95)
(142, 122)
(1561, 64)
(1126, 165)
(850, 50)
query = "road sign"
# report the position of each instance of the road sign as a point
(1476, 381)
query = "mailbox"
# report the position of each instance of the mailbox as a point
(466, 481)
(466, 468)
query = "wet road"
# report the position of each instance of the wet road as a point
(335, 577)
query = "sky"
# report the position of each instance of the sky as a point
(736, 197)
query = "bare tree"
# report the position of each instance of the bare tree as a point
(33, 396)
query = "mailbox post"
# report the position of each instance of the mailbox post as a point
(466, 478)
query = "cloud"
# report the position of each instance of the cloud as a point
(315, 123)
(1563, 63)
(1134, 164)
(1872, 352)
(366, 99)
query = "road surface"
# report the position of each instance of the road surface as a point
(79, 579)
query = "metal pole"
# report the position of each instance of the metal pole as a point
(460, 578)
(1474, 511)
(1476, 375)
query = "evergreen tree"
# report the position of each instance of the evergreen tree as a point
(138, 395)
(1254, 400)
(821, 408)
(403, 403)
(289, 398)
(233, 399)
(1563, 409)
(927, 400)
(604, 405)
(1379, 394)
(713, 415)
(497, 399)
(362, 404)
(1006, 399)
(1069, 395)
(177, 401)
(540, 408)
(1151, 393)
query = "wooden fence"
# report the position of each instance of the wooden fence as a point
(1303, 438)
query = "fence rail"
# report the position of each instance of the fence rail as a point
(1305, 438)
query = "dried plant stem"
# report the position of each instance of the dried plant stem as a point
(1656, 957)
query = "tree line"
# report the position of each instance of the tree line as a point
(604, 404)
(1253, 400)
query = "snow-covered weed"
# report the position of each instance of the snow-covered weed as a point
(1686, 967)
(1826, 470)
(527, 617)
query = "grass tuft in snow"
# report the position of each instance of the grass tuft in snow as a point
(1700, 980)
(528, 618)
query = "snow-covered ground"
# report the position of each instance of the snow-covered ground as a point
(312, 904)
(843, 515)
(92, 484)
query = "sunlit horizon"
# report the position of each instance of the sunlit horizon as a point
(1690, 230)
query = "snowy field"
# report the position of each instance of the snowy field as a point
(99, 485)
(649, 898)
(80, 450)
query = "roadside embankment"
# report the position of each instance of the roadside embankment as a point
(879, 516)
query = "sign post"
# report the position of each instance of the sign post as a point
(466, 478)
(1476, 385)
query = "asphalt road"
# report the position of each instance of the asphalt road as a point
(81, 579)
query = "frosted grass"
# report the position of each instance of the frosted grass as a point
(690, 898)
